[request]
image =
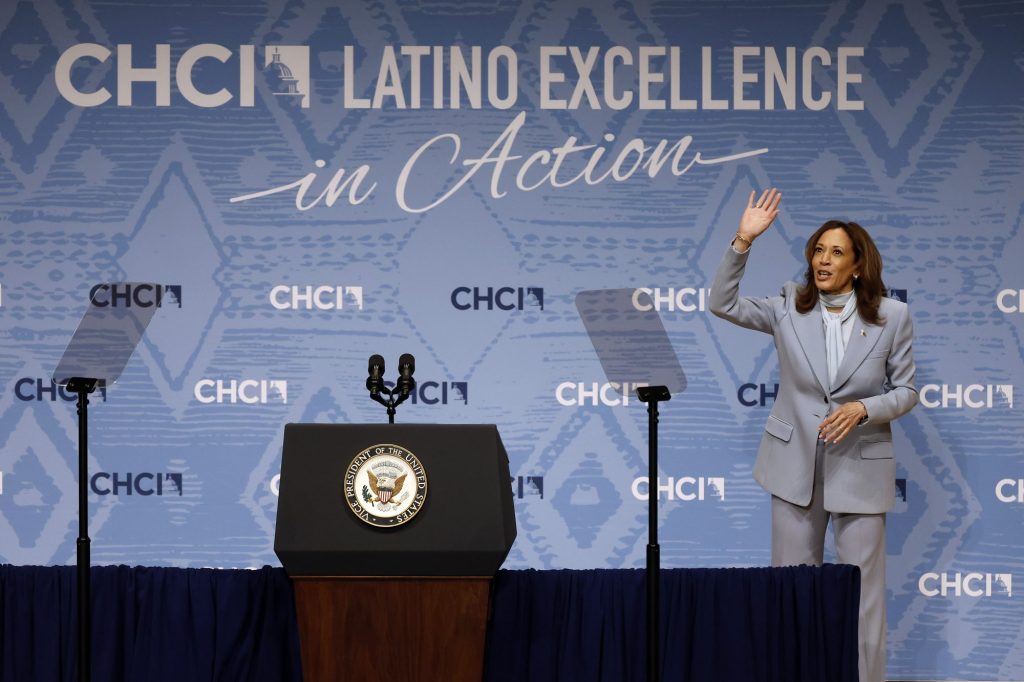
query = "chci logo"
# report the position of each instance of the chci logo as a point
(612, 393)
(248, 391)
(973, 396)
(322, 297)
(285, 68)
(438, 392)
(38, 388)
(385, 485)
(965, 584)
(502, 298)
(140, 295)
(144, 483)
(686, 488)
(671, 299)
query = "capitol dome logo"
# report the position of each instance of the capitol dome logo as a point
(287, 72)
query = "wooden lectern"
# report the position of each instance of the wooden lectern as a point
(405, 599)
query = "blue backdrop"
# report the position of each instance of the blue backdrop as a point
(142, 141)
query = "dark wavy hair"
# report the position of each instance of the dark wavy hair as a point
(869, 287)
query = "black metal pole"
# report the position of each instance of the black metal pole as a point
(652, 395)
(84, 559)
(653, 550)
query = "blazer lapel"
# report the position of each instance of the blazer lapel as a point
(863, 338)
(811, 335)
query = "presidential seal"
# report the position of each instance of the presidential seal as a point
(385, 485)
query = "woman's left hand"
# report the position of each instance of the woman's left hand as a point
(838, 424)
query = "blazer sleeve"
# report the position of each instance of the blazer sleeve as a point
(900, 394)
(756, 313)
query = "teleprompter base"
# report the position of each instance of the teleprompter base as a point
(413, 629)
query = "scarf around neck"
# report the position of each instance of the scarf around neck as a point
(835, 344)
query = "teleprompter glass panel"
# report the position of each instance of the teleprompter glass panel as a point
(630, 339)
(114, 322)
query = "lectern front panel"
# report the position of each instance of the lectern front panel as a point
(464, 526)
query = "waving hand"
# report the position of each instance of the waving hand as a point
(758, 217)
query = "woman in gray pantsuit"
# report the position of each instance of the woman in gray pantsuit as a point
(845, 372)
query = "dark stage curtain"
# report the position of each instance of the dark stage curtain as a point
(191, 625)
(150, 625)
(724, 625)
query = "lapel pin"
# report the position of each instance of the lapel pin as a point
(863, 333)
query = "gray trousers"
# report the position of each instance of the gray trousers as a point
(798, 537)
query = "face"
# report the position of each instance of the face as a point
(833, 262)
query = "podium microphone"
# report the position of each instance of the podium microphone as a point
(376, 378)
(391, 397)
(406, 367)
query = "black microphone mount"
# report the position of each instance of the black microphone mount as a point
(403, 387)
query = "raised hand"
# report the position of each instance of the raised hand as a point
(758, 217)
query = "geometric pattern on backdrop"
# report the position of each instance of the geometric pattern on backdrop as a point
(186, 447)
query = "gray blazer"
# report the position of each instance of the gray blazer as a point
(877, 369)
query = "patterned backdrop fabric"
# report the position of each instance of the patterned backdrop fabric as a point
(313, 182)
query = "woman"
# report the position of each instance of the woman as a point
(845, 372)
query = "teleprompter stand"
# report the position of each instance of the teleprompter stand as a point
(95, 356)
(652, 395)
(634, 349)
(408, 602)
(83, 386)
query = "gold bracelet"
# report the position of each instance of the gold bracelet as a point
(743, 239)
